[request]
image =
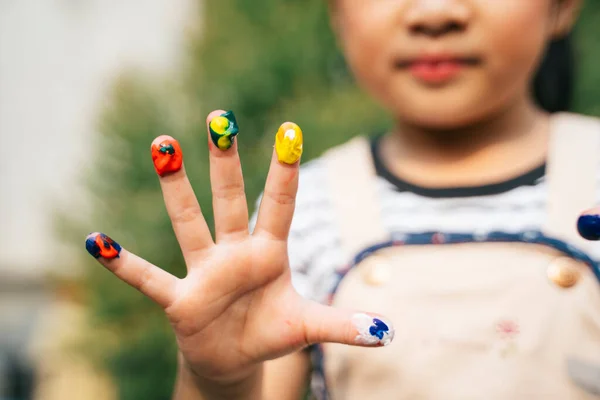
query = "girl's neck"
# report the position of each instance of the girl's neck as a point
(502, 147)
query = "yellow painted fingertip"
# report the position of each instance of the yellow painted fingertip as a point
(219, 124)
(288, 143)
(224, 142)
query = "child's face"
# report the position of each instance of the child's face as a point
(447, 63)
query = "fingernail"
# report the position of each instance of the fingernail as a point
(166, 155)
(288, 143)
(100, 245)
(589, 226)
(223, 130)
(372, 331)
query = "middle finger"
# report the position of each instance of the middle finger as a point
(227, 182)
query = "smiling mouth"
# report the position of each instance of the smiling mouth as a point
(436, 69)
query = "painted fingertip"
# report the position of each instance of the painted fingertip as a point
(166, 155)
(288, 143)
(223, 129)
(372, 331)
(589, 226)
(100, 245)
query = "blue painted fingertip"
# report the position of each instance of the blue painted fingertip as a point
(372, 331)
(589, 226)
(100, 245)
(379, 328)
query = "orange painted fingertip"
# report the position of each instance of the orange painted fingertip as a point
(166, 155)
(100, 245)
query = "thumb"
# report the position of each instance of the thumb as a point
(588, 224)
(325, 324)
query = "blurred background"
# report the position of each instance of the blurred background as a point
(85, 86)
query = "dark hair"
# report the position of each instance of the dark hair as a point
(554, 83)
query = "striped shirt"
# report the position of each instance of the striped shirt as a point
(512, 206)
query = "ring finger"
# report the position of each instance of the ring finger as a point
(182, 205)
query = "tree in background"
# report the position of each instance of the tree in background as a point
(268, 60)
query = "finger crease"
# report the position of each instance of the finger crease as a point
(187, 214)
(144, 279)
(230, 192)
(281, 198)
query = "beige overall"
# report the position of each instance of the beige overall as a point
(474, 320)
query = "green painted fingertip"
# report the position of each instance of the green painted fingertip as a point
(223, 130)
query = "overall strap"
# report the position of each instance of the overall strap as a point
(572, 174)
(352, 189)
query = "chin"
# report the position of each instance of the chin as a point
(457, 105)
(445, 112)
(440, 119)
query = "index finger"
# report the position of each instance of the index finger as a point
(279, 198)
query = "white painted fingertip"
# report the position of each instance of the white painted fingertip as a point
(372, 331)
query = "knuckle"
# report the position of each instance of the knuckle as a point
(236, 233)
(281, 198)
(144, 279)
(186, 214)
(229, 192)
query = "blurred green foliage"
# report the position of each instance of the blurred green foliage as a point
(268, 60)
(587, 96)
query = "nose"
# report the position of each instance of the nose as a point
(435, 18)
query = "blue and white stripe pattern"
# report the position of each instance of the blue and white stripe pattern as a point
(314, 244)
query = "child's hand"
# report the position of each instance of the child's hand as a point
(236, 307)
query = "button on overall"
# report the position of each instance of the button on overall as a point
(564, 272)
(377, 272)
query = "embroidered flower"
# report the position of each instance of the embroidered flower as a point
(507, 329)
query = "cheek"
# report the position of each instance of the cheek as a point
(366, 35)
(509, 34)
(517, 32)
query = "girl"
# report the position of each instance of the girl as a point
(508, 307)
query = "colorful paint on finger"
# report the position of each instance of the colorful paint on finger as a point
(588, 226)
(372, 331)
(100, 245)
(166, 155)
(223, 130)
(288, 143)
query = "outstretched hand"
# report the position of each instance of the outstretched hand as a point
(236, 307)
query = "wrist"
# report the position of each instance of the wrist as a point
(245, 386)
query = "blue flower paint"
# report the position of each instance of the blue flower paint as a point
(372, 331)
(378, 329)
(589, 226)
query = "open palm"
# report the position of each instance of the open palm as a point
(236, 307)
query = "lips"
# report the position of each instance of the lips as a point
(437, 69)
